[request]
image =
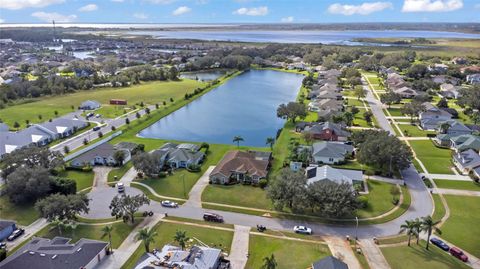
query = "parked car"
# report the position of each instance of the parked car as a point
(17, 233)
(168, 203)
(3, 245)
(457, 253)
(439, 243)
(120, 187)
(96, 128)
(302, 230)
(212, 217)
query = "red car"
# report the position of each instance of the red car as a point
(458, 254)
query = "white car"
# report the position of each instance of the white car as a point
(168, 203)
(120, 187)
(302, 230)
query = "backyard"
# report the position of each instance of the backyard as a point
(436, 160)
(84, 179)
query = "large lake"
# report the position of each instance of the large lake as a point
(245, 105)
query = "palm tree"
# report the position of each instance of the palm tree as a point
(107, 230)
(181, 238)
(270, 141)
(410, 228)
(58, 224)
(428, 225)
(237, 139)
(269, 263)
(147, 236)
(418, 228)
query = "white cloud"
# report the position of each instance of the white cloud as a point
(181, 10)
(117, 1)
(287, 19)
(88, 8)
(2, 20)
(431, 5)
(363, 9)
(161, 2)
(19, 4)
(53, 16)
(254, 11)
(140, 15)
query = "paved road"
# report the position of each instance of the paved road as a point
(376, 107)
(239, 250)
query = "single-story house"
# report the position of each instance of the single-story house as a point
(464, 142)
(405, 92)
(329, 74)
(103, 154)
(326, 172)
(441, 79)
(328, 131)
(62, 127)
(57, 253)
(456, 128)
(326, 104)
(439, 68)
(459, 60)
(90, 105)
(6, 228)
(240, 166)
(328, 152)
(433, 116)
(180, 155)
(473, 78)
(466, 160)
(448, 90)
(329, 262)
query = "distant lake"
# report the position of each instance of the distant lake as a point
(324, 37)
(204, 75)
(245, 105)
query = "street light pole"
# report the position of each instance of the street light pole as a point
(356, 233)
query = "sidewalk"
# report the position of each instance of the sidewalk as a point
(195, 195)
(450, 177)
(239, 250)
(457, 192)
(341, 249)
(373, 254)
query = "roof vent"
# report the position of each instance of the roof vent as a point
(54, 256)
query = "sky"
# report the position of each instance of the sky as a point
(238, 11)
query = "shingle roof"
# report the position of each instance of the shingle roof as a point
(243, 162)
(6, 223)
(331, 149)
(326, 172)
(329, 262)
(319, 128)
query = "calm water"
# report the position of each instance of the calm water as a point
(245, 105)
(204, 76)
(325, 37)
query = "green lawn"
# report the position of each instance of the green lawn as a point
(239, 195)
(84, 179)
(436, 160)
(355, 102)
(414, 131)
(379, 199)
(461, 228)
(92, 231)
(439, 208)
(148, 92)
(289, 254)
(166, 231)
(24, 214)
(457, 184)
(395, 112)
(119, 172)
(404, 257)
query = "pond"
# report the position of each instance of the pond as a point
(244, 106)
(204, 75)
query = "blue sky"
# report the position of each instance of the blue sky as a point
(243, 11)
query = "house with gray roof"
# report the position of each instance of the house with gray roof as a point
(464, 142)
(103, 154)
(329, 152)
(180, 155)
(456, 128)
(433, 116)
(449, 91)
(329, 262)
(326, 172)
(63, 127)
(405, 92)
(57, 253)
(6, 228)
(466, 160)
(90, 105)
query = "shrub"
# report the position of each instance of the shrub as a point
(262, 183)
(63, 185)
(87, 168)
(193, 168)
(162, 174)
(394, 190)
(362, 201)
(395, 200)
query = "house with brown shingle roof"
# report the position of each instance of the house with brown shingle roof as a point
(240, 166)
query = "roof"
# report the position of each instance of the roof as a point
(6, 223)
(468, 159)
(329, 262)
(243, 162)
(90, 103)
(464, 142)
(320, 127)
(457, 126)
(326, 172)
(331, 149)
(42, 253)
(104, 150)
(59, 125)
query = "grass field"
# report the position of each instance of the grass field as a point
(379, 199)
(240, 195)
(439, 208)
(288, 254)
(148, 92)
(404, 257)
(413, 130)
(91, 231)
(119, 172)
(166, 231)
(457, 184)
(394, 112)
(461, 228)
(83, 179)
(24, 214)
(436, 160)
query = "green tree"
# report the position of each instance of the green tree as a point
(147, 236)
(359, 92)
(119, 157)
(237, 139)
(292, 111)
(354, 110)
(63, 207)
(269, 262)
(66, 149)
(410, 228)
(270, 142)
(287, 190)
(348, 118)
(27, 184)
(16, 125)
(443, 103)
(367, 115)
(107, 231)
(444, 127)
(390, 98)
(126, 206)
(181, 238)
(429, 225)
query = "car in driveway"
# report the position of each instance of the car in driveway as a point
(17, 233)
(439, 243)
(167, 203)
(457, 253)
(302, 230)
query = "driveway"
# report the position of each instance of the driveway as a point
(195, 195)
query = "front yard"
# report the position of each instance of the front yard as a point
(379, 199)
(84, 179)
(23, 214)
(469, 185)
(413, 130)
(119, 172)
(238, 194)
(436, 160)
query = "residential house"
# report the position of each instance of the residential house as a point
(90, 105)
(326, 172)
(240, 166)
(440, 79)
(6, 228)
(57, 253)
(329, 262)
(438, 68)
(329, 74)
(395, 81)
(328, 131)
(385, 71)
(449, 91)
(103, 154)
(326, 104)
(63, 127)
(456, 128)
(329, 95)
(328, 114)
(433, 116)
(473, 79)
(180, 155)
(464, 142)
(466, 161)
(328, 152)
(405, 92)
(459, 60)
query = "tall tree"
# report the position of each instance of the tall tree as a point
(269, 262)
(292, 111)
(287, 190)
(119, 157)
(147, 236)
(27, 184)
(410, 228)
(429, 225)
(390, 98)
(348, 118)
(126, 206)
(181, 238)
(107, 231)
(64, 207)
(32, 156)
(270, 141)
(237, 139)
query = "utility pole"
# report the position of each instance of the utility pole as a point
(356, 233)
